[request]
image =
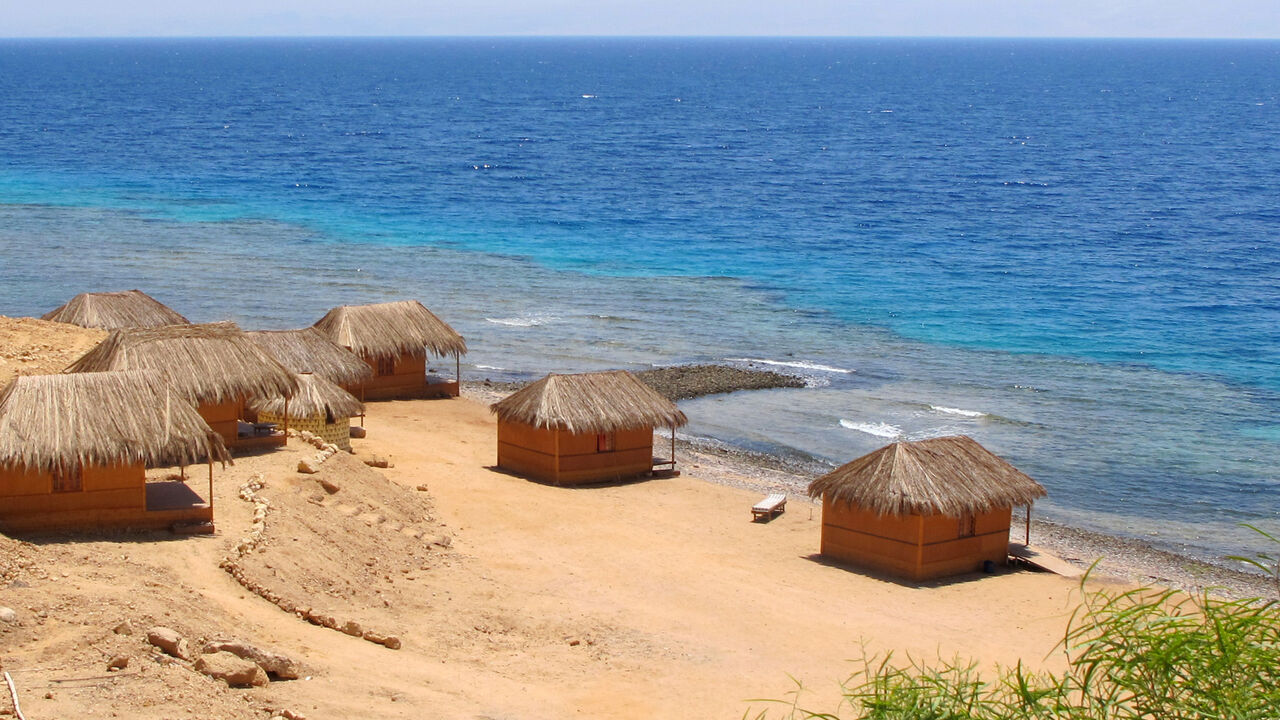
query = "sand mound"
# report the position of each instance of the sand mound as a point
(353, 554)
(29, 346)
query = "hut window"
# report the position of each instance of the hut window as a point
(968, 525)
(604, 442)
(68, 480)
(386, 366)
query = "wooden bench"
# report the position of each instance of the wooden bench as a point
(770, 507)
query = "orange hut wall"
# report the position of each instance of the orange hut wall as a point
(407, 379)
(223, 418)
(111, 496)
(565, 458)
(916, 547)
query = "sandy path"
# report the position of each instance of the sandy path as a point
(681, 606)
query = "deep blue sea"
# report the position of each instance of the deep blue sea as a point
(1068, 249)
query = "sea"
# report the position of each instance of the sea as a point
(1066, 249)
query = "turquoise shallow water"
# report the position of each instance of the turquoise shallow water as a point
(1064, 249)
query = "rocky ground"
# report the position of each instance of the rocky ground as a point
(139, 624)
(29, 346)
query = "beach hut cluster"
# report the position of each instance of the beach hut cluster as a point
(161, 390)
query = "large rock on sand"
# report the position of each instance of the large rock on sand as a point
(232, 670)
(273, 663)
(169, 641)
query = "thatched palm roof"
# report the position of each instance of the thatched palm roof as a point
(211, 363)
(948, 476)
(309, 350)
(49, 422)
(589, 402)
(385, 330)
(315, 396)
(114, 310)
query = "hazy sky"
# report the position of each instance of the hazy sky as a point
(1021, 18)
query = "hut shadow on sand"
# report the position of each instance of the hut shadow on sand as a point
(895, 579)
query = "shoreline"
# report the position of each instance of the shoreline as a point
(1114, 558)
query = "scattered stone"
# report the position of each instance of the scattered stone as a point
(274, 664)
(8, 616)
(358, 432)
(308, 466)
(329, 486)
(124, 628)
(169, 641)
(283, 714)
(443, 541)
(422, 487)
(353, 628)
(575, 643)
(378, 462)
(232, 670)
(118, 662)
(389, 641)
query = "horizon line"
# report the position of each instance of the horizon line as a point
(587, 36)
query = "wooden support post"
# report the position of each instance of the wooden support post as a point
(673, 447)
(457, 370)
(210, 458)
(1027, 541)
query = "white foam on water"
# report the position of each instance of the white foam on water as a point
(936, 432)
(487, 367)
(884, 430)
(519, 321)
(800, 364)
(957, 411)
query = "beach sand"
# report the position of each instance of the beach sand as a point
(513, 599)
(635, 600)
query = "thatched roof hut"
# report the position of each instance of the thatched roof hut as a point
(597, 402)
(206, 364)
(114, 310)
(385, 330)
(923, 510)
(51, 422)
(946, 476)
(310, 351)
(316, 397)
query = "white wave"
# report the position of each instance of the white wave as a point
(936, 432)
(487, 367)
(533, 321)
(797, 364)
(957, 411)
(884, 430)
(587, 96)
